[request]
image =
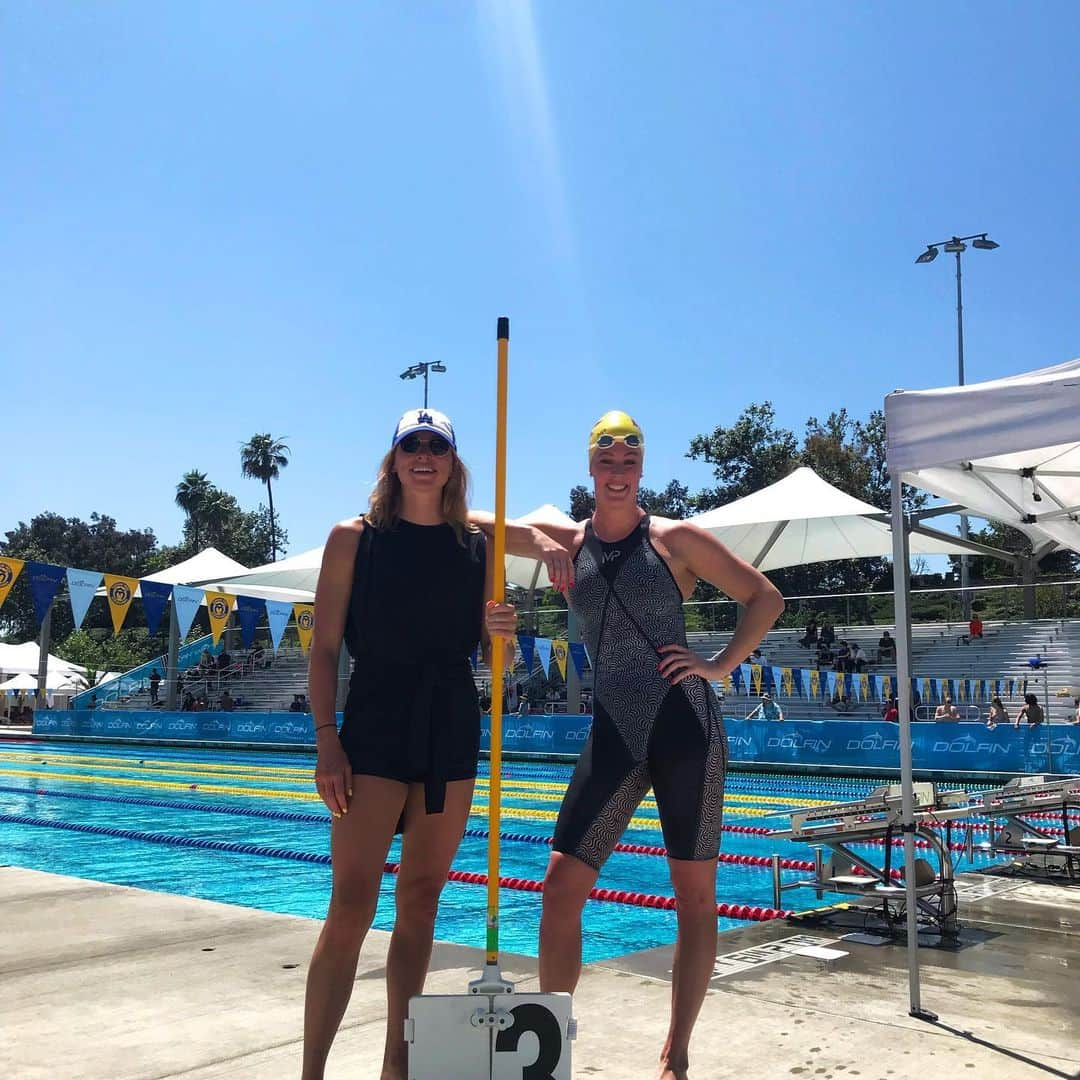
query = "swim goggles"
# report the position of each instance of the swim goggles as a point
(605, 442)
(437, 445)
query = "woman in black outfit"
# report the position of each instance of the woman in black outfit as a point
(404, 588)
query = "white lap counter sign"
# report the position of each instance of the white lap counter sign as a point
(491, 1033)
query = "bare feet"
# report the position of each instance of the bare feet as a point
(671, 1071)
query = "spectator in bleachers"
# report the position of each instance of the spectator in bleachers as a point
(975, 631)
(998, 714)
(223, 660)
(891, 712)
(1031, 711)
(206, 661)
(767, 709)
(824, 656)
(756, 657)
(840, 702)
(201, 704)
(828, 634)
(947, 710)
(886, 648)
(226, 704)
(188, 704)
(92, 703)
(811, 635)
(842, 661)
(155, 682)
(859, 660)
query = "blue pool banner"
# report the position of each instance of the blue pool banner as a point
(82, 585)
(246, 727)
(155, 595)
(249, 610)
(278, 613)
(187, 601)
(45, 581)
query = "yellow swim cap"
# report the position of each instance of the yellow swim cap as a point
(613, 427)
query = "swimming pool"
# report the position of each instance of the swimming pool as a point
(248, 829)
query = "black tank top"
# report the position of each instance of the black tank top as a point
(414, 620)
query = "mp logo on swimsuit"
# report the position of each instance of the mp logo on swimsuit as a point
(119, 592)
(610, 556)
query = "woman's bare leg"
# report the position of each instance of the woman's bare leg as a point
(566, 888)
(359, 842)
(427, 850)
(695, 958)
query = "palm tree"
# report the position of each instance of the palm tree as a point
(191, 495)
(262, 458)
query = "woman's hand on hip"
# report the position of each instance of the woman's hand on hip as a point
(680, 662)
(333, 776)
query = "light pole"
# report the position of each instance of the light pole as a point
(417, 370)
(957, 246)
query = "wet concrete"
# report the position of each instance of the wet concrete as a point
(105, 981)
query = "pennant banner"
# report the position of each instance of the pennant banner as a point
(249, 610)
(886, 686)
(727, 683)
(578, 655)
(186, 602)
(543, 650)
(45, 580)
(219, 607)
(864, 686)
(278, 612)
(82, 585)
(830, 683)
(120, 591)
(527, 645)
(9, 571)
(155, 595)
(815, 683)
(755, 677)
(787, 680)
(558, 650)
(798, 682)
(305, 624)
(737, 680)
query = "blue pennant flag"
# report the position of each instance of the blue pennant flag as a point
(186, 600)
(768, 678)
(579, 656)
(797, 680)
(950, 688)
(82, 585)
(879, 687)
(45, 581)
(527, 643)
(543, 650)
(737, 680)
(249, 610)
(744, 672)
(830, 683)
(279, 613)
(846, 684)
(155, 595)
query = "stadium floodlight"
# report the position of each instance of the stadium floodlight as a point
(417, 370)
(955, 246)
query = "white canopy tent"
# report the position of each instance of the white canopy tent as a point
(25, 659)
(1005, 449)
(804, 519)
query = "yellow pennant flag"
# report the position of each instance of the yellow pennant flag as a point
(886, 686)
(927, 694)
(787, 680)
(305, 624)
(960, 689)
(726, 683)
(9, 571)
(120, 591)
(219, 607)
(815, 682)
(755, 677)
(558, 650)
(864, 682)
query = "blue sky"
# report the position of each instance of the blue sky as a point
(228, 218)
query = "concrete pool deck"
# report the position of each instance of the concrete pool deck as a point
(105, 981)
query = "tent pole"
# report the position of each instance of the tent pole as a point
(44, 642)
(901, 584)
(172, 676)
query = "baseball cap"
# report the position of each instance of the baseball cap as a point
(424, 420)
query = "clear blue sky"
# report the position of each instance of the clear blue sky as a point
(228, 218)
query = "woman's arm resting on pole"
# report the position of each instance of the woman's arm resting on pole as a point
(535, 542)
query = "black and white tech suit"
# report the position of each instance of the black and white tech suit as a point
(645, 731)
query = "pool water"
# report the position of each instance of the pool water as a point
(204, 796)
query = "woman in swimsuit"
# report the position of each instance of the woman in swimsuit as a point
(404, 588)
(656, 720)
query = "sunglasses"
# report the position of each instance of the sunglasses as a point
(603, 442)
(436, 445)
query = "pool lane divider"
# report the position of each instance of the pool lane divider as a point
(743, 912)
(324, 819)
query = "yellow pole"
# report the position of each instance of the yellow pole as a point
(498, 556)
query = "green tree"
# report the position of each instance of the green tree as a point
(673, 502)
(96, 544)
(192, 494)
(262, 458)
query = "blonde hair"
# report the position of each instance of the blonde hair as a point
(384, 506)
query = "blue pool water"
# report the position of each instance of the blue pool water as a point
(124, 788)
